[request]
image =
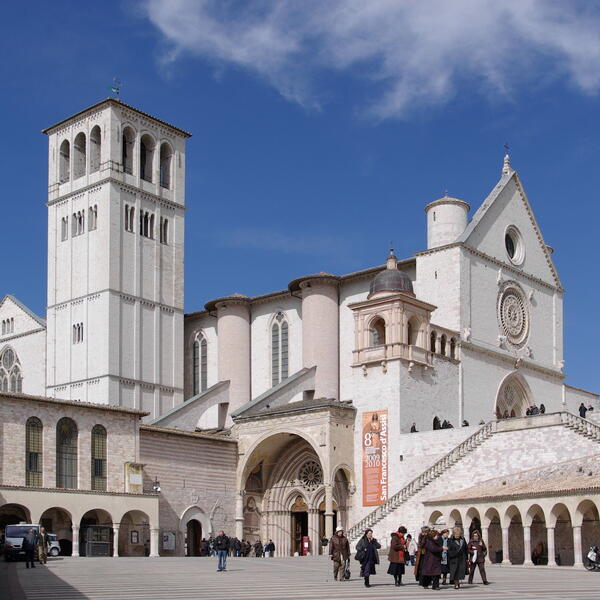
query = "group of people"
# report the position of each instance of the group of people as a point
(437, 557)
(36, 541)
(238, 548)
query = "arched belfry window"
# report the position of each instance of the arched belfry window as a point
(95, 148)
(64, 162)
(279, 349)
(200, 366)
(146, 157)
(66, 454)
(443, 345)
(377, 332)
(165, 165)
(80, 155)
(33, 452)
(11, 377)
(432, 341)
(452, 348)
(413, 331)
(99, 458)
(127, 150)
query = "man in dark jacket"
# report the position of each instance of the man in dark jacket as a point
(221, 548)
(582, 410)
(43, 543)
(339, 550)
(29, 544)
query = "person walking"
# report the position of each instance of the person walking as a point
(445, 569)
(397, 555)
(29, 545)
(477, 553)
(43, 543)
(367, 555)
(411, 547)
(339, 550)
(258, 549)
(221, 545)
(457, 557)
(582, 410)
(421, 551)
(432, 561)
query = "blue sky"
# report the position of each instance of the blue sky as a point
(321, 129)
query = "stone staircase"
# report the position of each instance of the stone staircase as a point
(417, 484)
(579, 425)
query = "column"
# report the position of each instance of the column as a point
(527, 542)
(75, 544)
(485, 536)
(551, 550)
(577, 546)
(154, 542)
(505, 550)
(328, 511)
(313, 530)
(116, 539)
(239, 516)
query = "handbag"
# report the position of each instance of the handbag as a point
(347, 569)
(360, 555)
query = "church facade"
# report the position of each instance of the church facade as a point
(332, 389)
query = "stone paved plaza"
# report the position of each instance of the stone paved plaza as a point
(251, 578)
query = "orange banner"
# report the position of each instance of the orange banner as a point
(375, 457)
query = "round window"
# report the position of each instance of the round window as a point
(513, 313)
(513, 243)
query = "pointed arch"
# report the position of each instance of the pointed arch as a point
(200, 364)
(513, 396)
(279, 348)
(11, 376)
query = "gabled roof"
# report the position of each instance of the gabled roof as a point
(39, 320)
(506, 178)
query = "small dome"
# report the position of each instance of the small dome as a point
(391, 279)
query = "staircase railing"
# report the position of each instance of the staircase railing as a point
(426, 477)
(578, 424)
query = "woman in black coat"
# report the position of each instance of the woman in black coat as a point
(432, 561)
(457, 557)
(367, 555)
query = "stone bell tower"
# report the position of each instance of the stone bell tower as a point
(116, 201)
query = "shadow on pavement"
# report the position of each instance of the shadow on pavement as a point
(45, 581)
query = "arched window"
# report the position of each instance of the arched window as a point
(200, 366)
(127, 150)
(443, 345)
(99, 458)
(452, 348)
(146, 157)
(64, 162)
(64, 228)
(279, 349)
(66, 454)
(11, 378)
(93, 218)
(413, 331)
(377, 332)
(74, 225)
(95, 148)
(129, 217)
(33, 452)
(432, 341)
(80, 155)
(151, 227)
(164, 230)
(436, 423)
(165, 165)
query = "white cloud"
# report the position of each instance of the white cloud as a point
(409, 53)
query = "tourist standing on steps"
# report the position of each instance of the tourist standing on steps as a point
(367, 555)
(339, 550)
(477, 554)
(582, 410)
(221, 547)
(445, 568)
(397, 555)
(421, 551)
(432, 561)
(457, 557)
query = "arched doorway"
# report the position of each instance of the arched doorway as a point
(515, 536)
(281, 468)
(58, 521)
(193, 537)
(474, 521)
(538, 545)
(587, 516)
(563, 535)
(494, 534)
(96, 533)
(134, 534)
(513, 398)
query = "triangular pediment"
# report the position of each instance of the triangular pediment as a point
(25, 319)
(505, 209)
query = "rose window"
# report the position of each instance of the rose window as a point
(513, 314)
(311, 475)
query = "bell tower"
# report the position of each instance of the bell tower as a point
(116, 202)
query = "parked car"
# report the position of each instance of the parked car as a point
(54, 549)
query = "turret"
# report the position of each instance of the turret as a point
(446, 220)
